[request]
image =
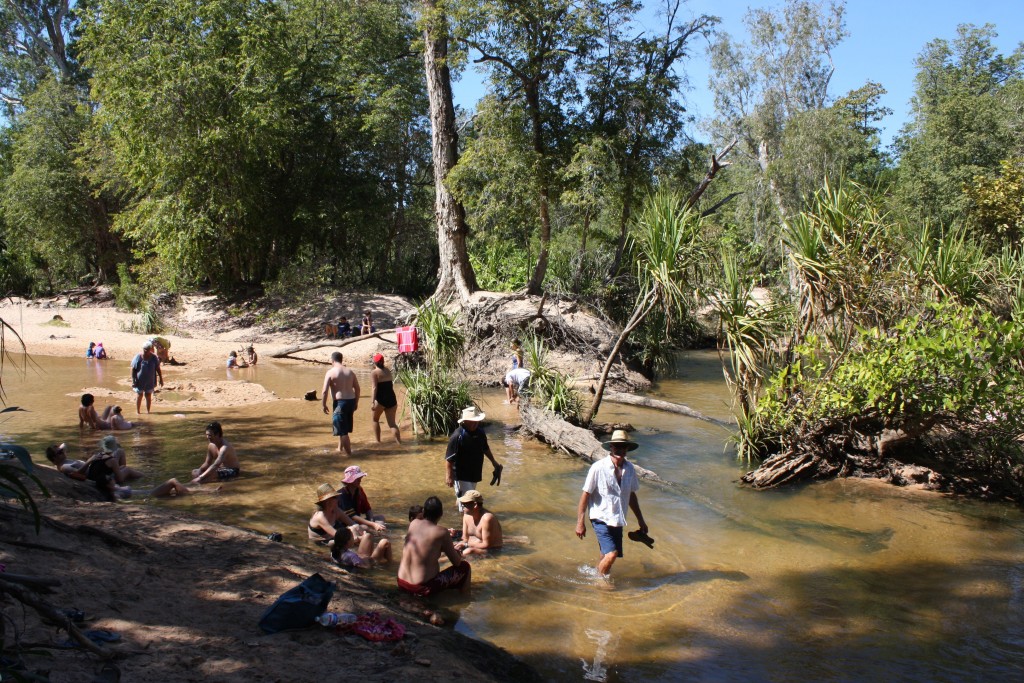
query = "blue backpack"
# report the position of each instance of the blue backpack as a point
(299, 606)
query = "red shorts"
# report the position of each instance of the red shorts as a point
(453, 577)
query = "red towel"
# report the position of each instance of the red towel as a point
(408, 342)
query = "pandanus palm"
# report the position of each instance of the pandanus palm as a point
(669, 255)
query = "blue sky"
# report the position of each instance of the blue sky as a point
(885, 37)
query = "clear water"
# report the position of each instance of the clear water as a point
(842, 581)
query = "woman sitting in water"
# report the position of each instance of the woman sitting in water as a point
(384, 400)
(87, 414)
(118, 421)
(328, 518)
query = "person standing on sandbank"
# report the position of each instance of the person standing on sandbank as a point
(610, 488)
(341, 384)
(145, 373)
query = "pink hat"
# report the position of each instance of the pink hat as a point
(352, 473)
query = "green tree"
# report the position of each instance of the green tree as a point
(996, 208)
(964, 120)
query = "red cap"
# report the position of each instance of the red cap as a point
(378, 358)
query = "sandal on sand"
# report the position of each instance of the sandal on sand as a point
(100, 636)
(496, 479)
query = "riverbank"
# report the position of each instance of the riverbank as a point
(185, 594)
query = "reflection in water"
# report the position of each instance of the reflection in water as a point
(838, 581)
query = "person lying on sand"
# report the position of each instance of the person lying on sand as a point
(101, 468)
(365, 556)
(221, 462)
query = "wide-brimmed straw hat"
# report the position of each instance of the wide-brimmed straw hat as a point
(325, 492)
(471, 414)
(620, 436)
(109, 443)
(353, 473)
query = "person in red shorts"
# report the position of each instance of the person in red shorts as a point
(420, 572)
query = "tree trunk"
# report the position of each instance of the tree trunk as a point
(454, 273)
(543, 185)
(655, 404)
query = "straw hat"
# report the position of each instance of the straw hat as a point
(109, 443)
(471, 496)
(471, 414)
(325, 492)
(620, 436)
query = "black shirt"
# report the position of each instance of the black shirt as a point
(466, 454)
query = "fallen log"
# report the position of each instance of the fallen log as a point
(309, 346)
(52, 615)
(655, 404)
(570, 439)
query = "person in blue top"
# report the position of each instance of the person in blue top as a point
(145, 373)
(464, 459)
(89, 352)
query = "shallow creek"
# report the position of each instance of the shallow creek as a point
(843, 581)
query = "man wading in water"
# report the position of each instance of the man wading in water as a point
(610, 487)
(341, 384)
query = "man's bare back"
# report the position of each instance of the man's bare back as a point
(340, 383)
(423, 547)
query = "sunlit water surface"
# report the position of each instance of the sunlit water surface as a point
(843, 581)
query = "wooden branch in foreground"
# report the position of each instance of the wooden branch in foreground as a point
(51, 614)
(309, 346)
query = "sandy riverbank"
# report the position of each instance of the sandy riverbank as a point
(185, 594)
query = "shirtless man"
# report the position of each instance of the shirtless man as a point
(341, 384)
(481, 530)
(419, 573)
(87, 414)
(221, 462)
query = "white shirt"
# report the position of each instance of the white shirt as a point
(519, 375)
(609, 499)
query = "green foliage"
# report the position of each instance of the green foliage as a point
(436, 399)
(996, 208)
(443, 341)
(964, 119)
(500, 266)
(950, 364)
(549, 388)
(129, 295)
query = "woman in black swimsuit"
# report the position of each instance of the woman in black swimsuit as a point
(328, 516)
(384, 400)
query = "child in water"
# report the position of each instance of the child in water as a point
(365, 556)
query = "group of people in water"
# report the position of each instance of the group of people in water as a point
(344, 519)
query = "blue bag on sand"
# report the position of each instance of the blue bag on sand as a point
(300, 606)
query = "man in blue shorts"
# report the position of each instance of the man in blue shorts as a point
(610, 488)
(340, 384)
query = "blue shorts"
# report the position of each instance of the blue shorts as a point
(341, 420)
(608, 537)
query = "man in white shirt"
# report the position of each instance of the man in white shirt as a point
(610, 488)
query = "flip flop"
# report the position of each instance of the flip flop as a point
(101, 636)
(641, 537)
(496, 479)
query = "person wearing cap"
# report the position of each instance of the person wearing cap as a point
(221, 462)
(145, 373)
(610, 488)
(354, 503)
(481, 530)
(464, 458)
(328, 518)
(384, 400)
(420, 570)
(341, 385)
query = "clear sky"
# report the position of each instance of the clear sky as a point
(885, 38)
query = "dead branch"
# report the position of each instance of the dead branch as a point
(716, 166)
(51, 614)
(309, 346)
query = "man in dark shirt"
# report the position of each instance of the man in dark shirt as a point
(464, 459)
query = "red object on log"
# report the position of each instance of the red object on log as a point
(408, 341)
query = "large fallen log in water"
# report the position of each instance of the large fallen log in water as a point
(570, 439)
(337, 343)
(677, 408)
